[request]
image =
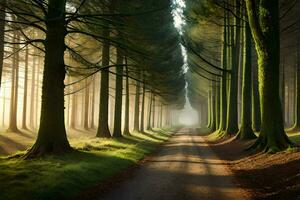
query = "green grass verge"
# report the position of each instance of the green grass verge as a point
(61, 177)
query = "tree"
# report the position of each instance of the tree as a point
(103, 129)
(52, 136)
(246, 131)
(263, 18)
(118, 95)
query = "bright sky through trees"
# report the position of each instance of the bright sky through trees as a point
(188, 116)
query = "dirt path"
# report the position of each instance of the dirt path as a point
(184, 169)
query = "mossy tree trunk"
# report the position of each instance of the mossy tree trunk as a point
(263, 17)
(103, 128)
(118, 95)
(52, 136)
(256, 116)
(246, 131)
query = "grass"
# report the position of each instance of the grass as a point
(61, 177)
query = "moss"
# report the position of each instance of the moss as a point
(61, 177)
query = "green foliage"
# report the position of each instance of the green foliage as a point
(61, 177)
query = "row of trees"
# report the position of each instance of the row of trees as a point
(217, 61)
(63, 45)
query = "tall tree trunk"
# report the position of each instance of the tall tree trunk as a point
(213, 107)
(32, 92)
(217, 105)
(118, 95)
(92, 116)
(24, 117)
(2, 32)
(246, 131)
(153, 113)
(265, 30)
(12, 127)
(103, 129)
(283, 91)
(142, 127)
(52, 136)
(209, 109)
(232, 113)
(297, 91)
(86, 106)
(149, 112)
(256, 114)
(126, 120)
(223, 81)
(136, 124)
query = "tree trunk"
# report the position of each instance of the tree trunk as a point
(232, 113)
(223, 85)
(209, 109)
(265, 31)
(103, 129)
(142, 128)
(32, 96)
(256, 114)
(52, 136)
(126, 121)
(246, 131)
(137, 108)
(86, 105)
(118, 95)
(149, 112)
(92, 116)
(153, 113)
(24, 117)
(297, 92)
(12, 127)
(2, 33)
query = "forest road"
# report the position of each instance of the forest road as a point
(184, 169)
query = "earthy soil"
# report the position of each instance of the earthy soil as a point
(264, 176)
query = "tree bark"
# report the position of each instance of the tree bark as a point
(223, 80)
(52, 136)
(12, 127)
(118, 95)
(103, 129)
(142, 127)
(24, 117)
(297, 92)
(2, 32)
(86, 105)
(149, 112)
(232, 113)
(126, 120)
(265, 31)
(136, 124)
(246, 131)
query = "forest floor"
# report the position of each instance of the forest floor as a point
(264, 176)
(63, 176)
(189, 165)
